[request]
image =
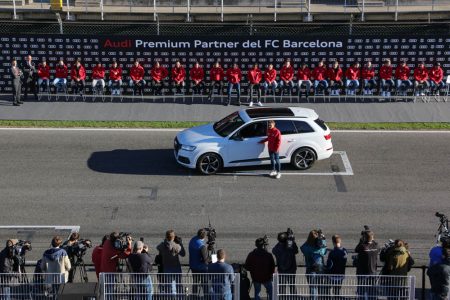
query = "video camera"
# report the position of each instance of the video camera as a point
(387, 246)
(321, 239)
(79, 248)
(18, 251)
(443, 233)
(211, 234)
(121, 242)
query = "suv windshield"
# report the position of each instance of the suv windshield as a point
(228, 124)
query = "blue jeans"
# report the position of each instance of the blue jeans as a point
(286, 85)
(267, 285)
(275, 161)
(322, 83)
(386, 85)
(352, 84)
(272, 86)
(143, 288)
(403, 85)
(437, 86)
(237, 86)
(369, 84)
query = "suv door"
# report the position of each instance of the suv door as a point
(243, 147)
(289, 136)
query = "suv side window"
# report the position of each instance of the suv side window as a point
(257, 129)
(303, 127)
(285, 127)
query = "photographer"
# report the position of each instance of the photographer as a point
(69, 246)
(366, 264)
(170, 250)
(6, 267)
(140, 261)
(285, 251)
(336, 264)
(440, 277)
(314, 250)
(198, 261)
(261, 265)
(112, 252)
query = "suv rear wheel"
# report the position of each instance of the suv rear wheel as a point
(303, 158)
(209, 163)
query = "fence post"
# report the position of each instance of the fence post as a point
(14, 8)
(101, 8)
(275, 287)
(154, 10)
(362, 13)
(275, 11)
(237, 286)
(188, 11)
(68, 10)
(221, 10)
(396, 10)
(309, 10)
(412, 288)
(424, 268)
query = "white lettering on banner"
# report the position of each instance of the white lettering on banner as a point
(248, 44)
(312, 44)
(168, 44)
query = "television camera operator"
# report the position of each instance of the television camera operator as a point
(261, 265)
(76, 249)
(198, 261)
(314, 250)
(117, 246)
(285, 251)
(443, 240)
(12, 262)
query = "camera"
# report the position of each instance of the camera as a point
(121, 242)
(321, 239)
(387, 246)
(443, 233)
(287, 237)
(178, 240)
(211, 234)
(363, 234)
(17, 252)
(262, 242)
(79, 248)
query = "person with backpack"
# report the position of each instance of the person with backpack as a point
(314, 250)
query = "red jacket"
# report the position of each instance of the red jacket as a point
(436, 74)
(234, 75)
(159, 73)
(98, 72)
(44, 72)
(178, 74)
(335, 74)
(303, 74)
(274, 139)
(197, 74)
(110, 257)
(137, 73)
(254, 76)
(216, 74)
(402, 73)
(386, 72)
(81, 74)
(287, 73)
(319, 73)
(368, 73)
(270, 75)
(352, 73)
(115, 73)
(420, 74)
(97, 259)
(61, 71)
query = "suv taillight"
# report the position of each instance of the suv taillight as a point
(328, 136)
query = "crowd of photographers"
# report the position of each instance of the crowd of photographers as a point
(116, 253)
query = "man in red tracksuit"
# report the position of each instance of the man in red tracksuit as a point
(216, 75)
(270, 76)
(402, 76)
(334, 75)
(353, 75)
(98, 75)
(115, 78)
(158, 74)
(61, 73)
(386, 81)
(367, 75)
(287, 76)
(44, 75)
(78, 75)
(197, 75)
(319, 75)
(436, 78)
(234, 76)
(178, 76)
(421, 79)
(254, 78)
(303, 77)
(137, 81)
(274, 143)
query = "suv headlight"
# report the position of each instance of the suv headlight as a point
(188, 148)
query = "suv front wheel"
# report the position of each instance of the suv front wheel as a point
(303, 158)
(209, 163)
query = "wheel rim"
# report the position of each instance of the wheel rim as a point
(304, 159)
(210, 164)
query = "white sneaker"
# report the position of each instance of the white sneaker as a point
(251, 103)
(278, 176)
(422, 94)
(259, 103)
(273, 173)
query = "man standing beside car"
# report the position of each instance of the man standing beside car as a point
(274, 143)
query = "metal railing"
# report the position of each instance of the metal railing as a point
(30, 285)
(168, 285)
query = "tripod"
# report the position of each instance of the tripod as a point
(79, 264)
(443, 230)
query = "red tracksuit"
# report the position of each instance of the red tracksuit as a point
(197, 74)
(367, 74)
(254, 76)
(44, 72)
(402, 73)
(352, 73)
(270, 75)
(115, 73)
(159, 73)
(137, 73)
(216, 74)
(319, 73)
(303, 74)
(335, 74)
(178, 74)
(98, 72)
(287, 73)
(436, 75)
(386, 72)
(81, 73)
(273, 139)
(61, 71)
(234, 75)
(110, 257)
(420, 74)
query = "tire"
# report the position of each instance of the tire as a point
(209, 163)
(303, 158)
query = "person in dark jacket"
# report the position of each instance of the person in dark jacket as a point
(221, 284)
(367, 250)
(17, 74)
(285, 251)
(261, 265)
(6, 267)
(140, 262)
(336, 264)
(440, 277)
(198, 262)
(30, 77)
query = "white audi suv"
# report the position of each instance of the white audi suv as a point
(233, 141)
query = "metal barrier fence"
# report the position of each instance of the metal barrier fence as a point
(30, 285)
(169, 286)
(322, 286)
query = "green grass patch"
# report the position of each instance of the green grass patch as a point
(175, 124)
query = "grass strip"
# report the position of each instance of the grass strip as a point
(183, 124)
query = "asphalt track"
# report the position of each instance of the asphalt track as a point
(129, 181)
